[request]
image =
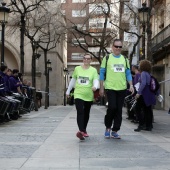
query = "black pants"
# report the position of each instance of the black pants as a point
(139, 109)
(145, 113)
(114, 111)
(83, 113)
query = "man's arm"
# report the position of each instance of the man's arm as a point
(102, 73)
(129, 79)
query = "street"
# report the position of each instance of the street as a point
(46, 140)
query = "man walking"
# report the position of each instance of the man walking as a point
(114, 74)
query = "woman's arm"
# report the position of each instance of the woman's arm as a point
(143, 83)
(71, 85)
(95, 84)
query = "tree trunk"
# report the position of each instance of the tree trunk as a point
(47, 80)
(22, 43)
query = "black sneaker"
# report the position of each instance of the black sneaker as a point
(139, 129)
(148, 129)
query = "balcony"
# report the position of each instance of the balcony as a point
(161, 39)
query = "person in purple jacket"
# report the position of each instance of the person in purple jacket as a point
(14, 82)
(145, 97)
(3, 80)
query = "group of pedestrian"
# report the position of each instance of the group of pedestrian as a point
(115, 76)
(11, 82)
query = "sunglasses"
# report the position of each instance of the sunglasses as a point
(117, 46)
(84, 58)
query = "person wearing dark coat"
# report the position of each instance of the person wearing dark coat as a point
(3, 81)
(145, 97)
(14, 82)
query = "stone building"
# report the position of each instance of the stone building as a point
(56, 55)
(155, 40)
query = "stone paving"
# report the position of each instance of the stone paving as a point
(45, 140)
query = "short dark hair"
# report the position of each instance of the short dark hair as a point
(3, 68)
(15, 71)
(115, 40)
(135, 66)
(20, 75)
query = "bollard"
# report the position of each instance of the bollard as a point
(34, 99)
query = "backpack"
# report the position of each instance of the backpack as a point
(154, 84)
(107, 57)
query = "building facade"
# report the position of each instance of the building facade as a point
(154, 41)
(160, 46)
(57, 56)
(87, 16)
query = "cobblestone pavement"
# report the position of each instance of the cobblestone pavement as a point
(45, 140)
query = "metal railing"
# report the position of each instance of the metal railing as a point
(161, 39)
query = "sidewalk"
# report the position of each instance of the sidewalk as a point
(46, 140)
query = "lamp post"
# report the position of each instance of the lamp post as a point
(4, 13)
(143, 16)
(65, 74)
(49, 68)
(35, 56)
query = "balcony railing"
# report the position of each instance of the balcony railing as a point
(161, 39)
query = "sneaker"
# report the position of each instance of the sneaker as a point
(85, 134)
(139, 128)
(115, 135)
(80, 135)
(107, 133)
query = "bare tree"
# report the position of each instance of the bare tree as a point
(102, 36)
(22, 8)
(46, 29)
(42, 25)
(97, 34)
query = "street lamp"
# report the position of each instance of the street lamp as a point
(49, 65)
(143, 16)
(35, 56)
(35, 47)
(4, 13)
(49, 68)
(65, 74)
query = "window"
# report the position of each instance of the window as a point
(81, 26)
(96, 23)
(95, 42)
(76, 1)
(63, 12)
(81, 40)
(96, 53)
(98, 9)
(126, 8)
(77, 56)
(78, 13)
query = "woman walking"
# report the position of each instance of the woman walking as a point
(85, 81)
